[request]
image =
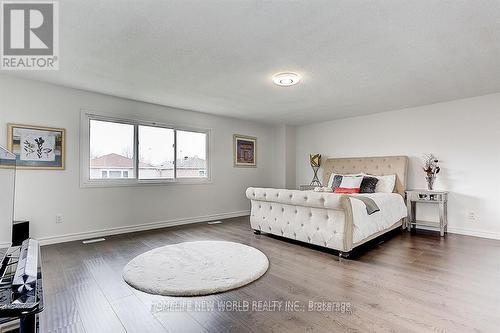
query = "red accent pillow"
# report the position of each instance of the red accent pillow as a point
(345, 190)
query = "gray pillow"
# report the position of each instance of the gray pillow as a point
(337, 180)
(368, 184)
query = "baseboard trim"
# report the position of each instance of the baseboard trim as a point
(5, 244)
(467, 232)
(475, 233)
(138, 227)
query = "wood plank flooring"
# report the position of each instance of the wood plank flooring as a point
(409, 283)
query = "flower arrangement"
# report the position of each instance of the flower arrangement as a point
(431, 169)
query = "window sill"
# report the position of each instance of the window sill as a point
(143, 183)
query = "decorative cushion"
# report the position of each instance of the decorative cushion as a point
(330, 180)
(337, 179)
(368, 185)
(385, 184)
(349, 184)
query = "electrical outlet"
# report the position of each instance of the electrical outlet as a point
(59, 218)
(471, 216)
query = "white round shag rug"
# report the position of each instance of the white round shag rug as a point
(195, 268)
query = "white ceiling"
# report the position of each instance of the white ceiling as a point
(356, 57)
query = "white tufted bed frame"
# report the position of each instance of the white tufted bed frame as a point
(323, 219)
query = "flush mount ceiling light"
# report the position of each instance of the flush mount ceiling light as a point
(286, 79)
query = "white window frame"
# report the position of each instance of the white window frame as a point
(86, 116)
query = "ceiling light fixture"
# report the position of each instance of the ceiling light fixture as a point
(286, 79)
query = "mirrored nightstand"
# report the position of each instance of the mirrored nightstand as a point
(439, 198)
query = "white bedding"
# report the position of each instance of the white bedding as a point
(392, 209)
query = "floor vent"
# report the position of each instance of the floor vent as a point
(95, 240)
(214, 222)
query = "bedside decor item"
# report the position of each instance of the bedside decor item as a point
(195, 268)
(323, 189)
(431, 197)
(37, 147)
(431, 169)
(244, 151)
(315, 161)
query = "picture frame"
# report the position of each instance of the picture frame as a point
(37, 147)
(244, 151)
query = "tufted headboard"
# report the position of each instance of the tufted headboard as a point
(378, 166)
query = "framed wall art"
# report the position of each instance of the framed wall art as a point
(244, 151)
(37, 147)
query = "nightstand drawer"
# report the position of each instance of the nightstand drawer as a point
(428, 196)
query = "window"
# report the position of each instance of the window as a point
(128, 152)
(156, 152)
(111, 147)
(115, 174)
(191, 154)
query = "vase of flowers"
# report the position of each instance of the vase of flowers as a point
(431, 169)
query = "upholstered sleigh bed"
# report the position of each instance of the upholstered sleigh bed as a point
(334, 221)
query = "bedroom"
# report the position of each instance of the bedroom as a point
(378, 79)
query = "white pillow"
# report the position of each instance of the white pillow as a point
(330, 181)
(349, 185)
(385, 184)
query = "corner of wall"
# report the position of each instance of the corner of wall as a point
(284, 156)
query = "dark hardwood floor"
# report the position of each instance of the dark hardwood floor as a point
(409, 283)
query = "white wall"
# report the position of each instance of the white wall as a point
(284, 157)
(290, 157)
(7, 181)
(41, 195)
(463, 134)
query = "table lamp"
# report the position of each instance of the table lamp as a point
(315, 164)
